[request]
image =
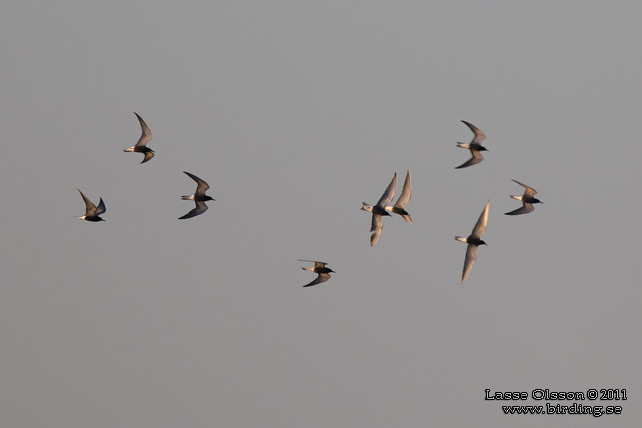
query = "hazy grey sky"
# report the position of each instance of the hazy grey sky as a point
(295, 112)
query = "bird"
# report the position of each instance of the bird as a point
(404, 198)
(199, 197)
(141, 145)
(320, 269)
(380, 210)
(92, 212)
(473, 241)
(474, 146)
(527, 199)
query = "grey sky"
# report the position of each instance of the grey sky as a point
(295, 113)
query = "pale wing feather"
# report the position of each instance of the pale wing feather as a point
(479, 134)
(201, 185)
(200, 209)
(474, 160)
(148, 156)
(471, 256)
(387, 196)
(404, 198)
(90, 208)
(480, 226)
(316, 262)
(524, 209)
(101, 207)
(377, 226)
(146, 136)
(323, 277)
(529, 190)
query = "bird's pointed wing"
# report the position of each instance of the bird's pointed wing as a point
(477, 157)
(480, 226)
(101, 207)
(524, 209)
(404, 198)
(479, 134)
(471, 256)
(200, 209)
(387, 196)
(529, 190)
(148, 156)
(311, 261)
(146, 136)
(377, 226)
(407, 217)
(90, 208)
(322, 277)
(201, 185)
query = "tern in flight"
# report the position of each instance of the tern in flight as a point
(91, 211)
(141, 145)
(380, 210)
(323, 273)
(474, 146)
(404, 198)
(527, 199)
(199, 197)
(473, 241)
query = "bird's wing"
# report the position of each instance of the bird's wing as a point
(529, 190)
(101, 207)
(148, 156)
(201, 185)
(387, 196)
(322, 277)
(524, 209)
(474, 160)
(90, 208)
(146, 136)
(404, 198)
(479, 134)
(471, 256)
(480, 226)
(200, 209)
(377, 226)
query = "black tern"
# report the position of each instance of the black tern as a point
(380, 210)
(404, 198)
(473, 241)
(91, 211)
(320, 269)
(527, 200)
(141, 145)
(199, 197)
(474, 146)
